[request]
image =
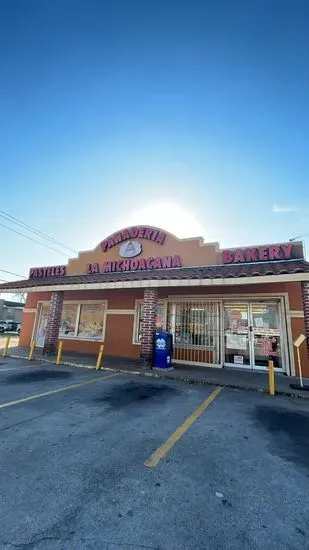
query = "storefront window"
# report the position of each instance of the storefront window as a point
(139, 320)
(91, 321)
(196, 331)
(193, 324)
(82, 321)
(68, 320)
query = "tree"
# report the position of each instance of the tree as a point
(20, 297)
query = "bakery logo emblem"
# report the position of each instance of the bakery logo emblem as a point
(160, 343)
(130, 249)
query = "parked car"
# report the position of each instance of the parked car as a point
(1, 329)
(18, 328)
(9, 326)
(12, 326)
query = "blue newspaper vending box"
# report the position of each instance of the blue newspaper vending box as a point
(163, 350)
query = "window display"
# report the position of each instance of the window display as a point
(82, 321)
(91, 321)
(68, 320)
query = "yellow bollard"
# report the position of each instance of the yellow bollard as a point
(60, 345)
(98, 365)
(6, 347)
(271, 377)
(31, 353)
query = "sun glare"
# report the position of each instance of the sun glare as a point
(169, 216)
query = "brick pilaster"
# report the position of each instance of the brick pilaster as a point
(305, 294)
(53, 323)
(149, 323)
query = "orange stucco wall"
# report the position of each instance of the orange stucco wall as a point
(293, 290)
(119, 327)
(26, 329)
(34, 297)
(191, 252)
(118, 336)
(117, 299)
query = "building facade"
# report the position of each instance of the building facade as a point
(225, 308)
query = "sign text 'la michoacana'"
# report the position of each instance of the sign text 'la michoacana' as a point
(135, 264)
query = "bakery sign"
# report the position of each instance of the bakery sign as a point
(135, 264)
(130, 248)
(131, 233)
(44, 272)
(286, 251)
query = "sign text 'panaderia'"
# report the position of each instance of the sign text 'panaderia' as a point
(147, 233)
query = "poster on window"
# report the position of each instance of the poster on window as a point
(238, 360)
(91, 321)
(236, 341)
(68, 320)
(159, 322)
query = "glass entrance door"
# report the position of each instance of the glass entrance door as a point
(236, 335)
(266, 334)
(42, 324)
(251, 334)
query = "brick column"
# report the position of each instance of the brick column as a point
(305, 293)
(53, 323)
(149, 323)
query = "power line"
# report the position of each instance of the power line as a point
(4, 281)
(31, 229)
(33, 240)
(299, 237)
(12, 273)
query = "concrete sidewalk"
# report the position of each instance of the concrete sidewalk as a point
(227, 377)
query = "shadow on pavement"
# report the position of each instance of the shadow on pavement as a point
(125, 394)
(36, 376)
(289, 431)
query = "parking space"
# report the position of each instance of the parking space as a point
(72, 470)
(20, 379)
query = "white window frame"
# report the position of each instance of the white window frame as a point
(161, 303)
(79, 303)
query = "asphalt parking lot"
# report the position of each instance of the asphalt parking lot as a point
(87, 462)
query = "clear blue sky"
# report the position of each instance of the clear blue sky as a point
(192, 115)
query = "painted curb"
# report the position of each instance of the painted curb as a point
(185, 379)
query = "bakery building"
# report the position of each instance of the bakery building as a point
(225, 307)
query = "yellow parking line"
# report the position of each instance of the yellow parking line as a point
(160, 453)
(65, 388)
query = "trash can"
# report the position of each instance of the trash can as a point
(163, 351)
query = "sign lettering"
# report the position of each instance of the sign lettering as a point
(43, 272)
(136, 264)
(151, 234)
(258, 254)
